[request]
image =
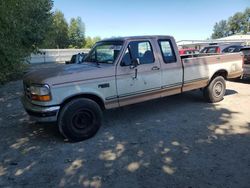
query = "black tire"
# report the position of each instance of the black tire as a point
(80, 119)
(216, 90)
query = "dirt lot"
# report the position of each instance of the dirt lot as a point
(179, 141)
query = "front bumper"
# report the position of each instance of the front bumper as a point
(40, 113)
(246, 72)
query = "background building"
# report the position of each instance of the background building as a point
(198, 44)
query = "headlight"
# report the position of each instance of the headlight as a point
(40, 93)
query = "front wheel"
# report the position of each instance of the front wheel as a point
(80, 119)
(216, 90)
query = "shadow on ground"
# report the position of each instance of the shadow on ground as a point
(230, 92)
(243, 80)
(179, 141)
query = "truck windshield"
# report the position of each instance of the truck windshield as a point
(104, 52)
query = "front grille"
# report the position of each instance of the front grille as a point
(247, 59)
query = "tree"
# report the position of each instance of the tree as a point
(23, 27)
(96, 39)
(220, 29)
(88, 42)
(246, 17)
(57, 35)
(238, 23)
(91, 41)
(76, 33)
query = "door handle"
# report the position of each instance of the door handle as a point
(155, 68)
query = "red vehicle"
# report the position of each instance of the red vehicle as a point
(188, 51)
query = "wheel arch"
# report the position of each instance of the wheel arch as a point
(221, 72)
(91, 96)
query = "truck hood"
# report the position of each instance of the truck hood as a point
(66, 73)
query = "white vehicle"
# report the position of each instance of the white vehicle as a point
(119, 72)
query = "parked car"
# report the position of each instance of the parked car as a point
(221, 49)
(76, 58)
(188, 51)
(246, 62)
(119, 72)
(232, 49)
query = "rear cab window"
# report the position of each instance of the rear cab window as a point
(167, 51)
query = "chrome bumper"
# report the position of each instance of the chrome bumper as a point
(40, 113)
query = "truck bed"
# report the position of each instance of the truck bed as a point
(200, 68)
(186, 56)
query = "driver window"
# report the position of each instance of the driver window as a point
(141, 50)
(126, 60)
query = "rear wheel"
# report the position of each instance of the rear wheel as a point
(216, 89)
(80, 119)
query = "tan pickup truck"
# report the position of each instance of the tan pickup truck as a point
(119, 72)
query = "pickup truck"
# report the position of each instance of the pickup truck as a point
(119, 72)
(246, 62)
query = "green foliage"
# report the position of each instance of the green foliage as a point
(57, 35)
(76, 33)
(91, 41)
(23, 27)
(238, 23)
(246, 21)
(63, 35)
(220, 29)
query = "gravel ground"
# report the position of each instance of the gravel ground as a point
(178, 141)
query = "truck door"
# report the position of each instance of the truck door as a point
(141, 82)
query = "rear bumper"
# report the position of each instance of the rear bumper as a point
(40, 113)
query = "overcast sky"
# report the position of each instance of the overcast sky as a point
(183, 19)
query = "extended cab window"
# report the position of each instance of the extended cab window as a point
(167, 51)
(141, 50)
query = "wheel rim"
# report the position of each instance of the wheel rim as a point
(218, 89)
(82, 119)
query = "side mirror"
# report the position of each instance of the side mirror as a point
(135, 63)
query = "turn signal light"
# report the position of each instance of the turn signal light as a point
(43, 98)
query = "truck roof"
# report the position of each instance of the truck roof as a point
(136, 38)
